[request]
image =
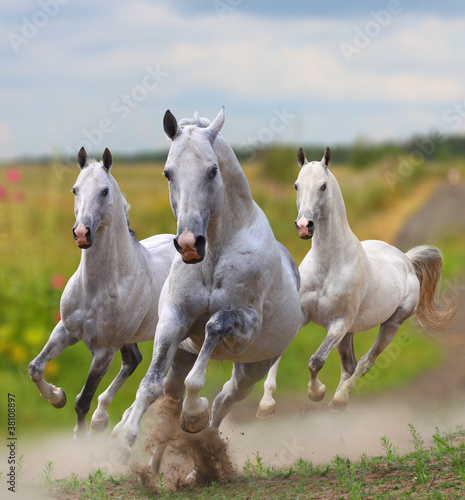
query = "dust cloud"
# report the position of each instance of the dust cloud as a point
(299, 430)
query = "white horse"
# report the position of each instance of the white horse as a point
(232, 292)
(348, 286)
(111, 302)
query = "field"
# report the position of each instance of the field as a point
(38, 256)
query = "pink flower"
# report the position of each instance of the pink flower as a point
(3, 193)
(13, 175)
(58, 282)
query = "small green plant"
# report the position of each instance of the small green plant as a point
(388, 447)
(454, 453)
(47, 472)
(20, 470)
(161, 484)
(255, 467)
(303, 466)
(419, 455)
(96, 485)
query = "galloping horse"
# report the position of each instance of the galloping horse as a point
(232, 292)
(111, 302)
(349, 286)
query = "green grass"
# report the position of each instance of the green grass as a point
(435, 471)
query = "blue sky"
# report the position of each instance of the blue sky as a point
(102, 74)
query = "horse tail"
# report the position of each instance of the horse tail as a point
(434, 317)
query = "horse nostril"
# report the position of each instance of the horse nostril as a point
(296, 225)
(200, 243)
(177, 246)
(310, 225)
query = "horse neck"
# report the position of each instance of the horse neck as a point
(333, 235)
(112, 253)
(238, 206)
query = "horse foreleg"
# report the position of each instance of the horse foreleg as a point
(243, 379)
(130, 360)
(267, 406)
(170, 407)
(171, 328)
(336, 332)
(348, 359)
(234, 327)
(59, 340)
(386, 333)
(101, 361)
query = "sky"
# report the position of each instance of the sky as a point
(103, 73)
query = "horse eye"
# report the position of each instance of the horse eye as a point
(167, 175)
(105, 192)
(295, 187)
(212, 173)
(323, 187)
(73, 191)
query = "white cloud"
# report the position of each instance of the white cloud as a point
(79, 65)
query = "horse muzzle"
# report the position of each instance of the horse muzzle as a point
(305, 227)
(83, 236)
(191, 248)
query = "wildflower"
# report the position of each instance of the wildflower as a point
(58, 282)
(13, 175)
(3, 193)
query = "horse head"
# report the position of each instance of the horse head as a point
(94, 197)
(195, 183)
(313, 193)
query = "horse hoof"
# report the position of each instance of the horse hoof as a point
(316, 396)
(266, 412)
(98, 425)
(338, 405)
(194, 423)
(58, 400)
(119, 454)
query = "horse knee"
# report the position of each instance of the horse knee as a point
(81, 406)
(315, 364)
(35, 373)
(220, 324)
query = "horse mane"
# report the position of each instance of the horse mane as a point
(127, 206)
(195, 120)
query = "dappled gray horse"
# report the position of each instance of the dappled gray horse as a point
(111, 302)
(350, 286)
(232, 292)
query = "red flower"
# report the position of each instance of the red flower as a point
(58, 282)
(13, 175)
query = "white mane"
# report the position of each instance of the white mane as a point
(196, 121)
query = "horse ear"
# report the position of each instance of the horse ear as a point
(301, 158)
(107, 160)
(326, 160)
(82, 158)
(170, 125)
(215, 126)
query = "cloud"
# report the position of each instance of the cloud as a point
(66, 77)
